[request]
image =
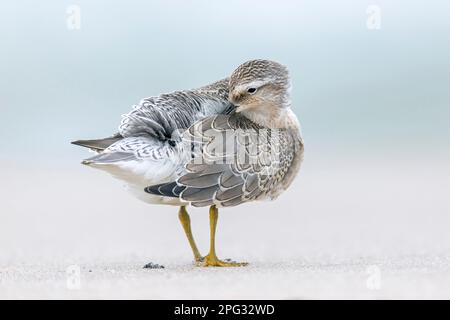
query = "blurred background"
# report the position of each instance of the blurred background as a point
(371, 86)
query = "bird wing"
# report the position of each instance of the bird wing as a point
(154, 126)
(160, 116)
(98, 145)
(234, 161)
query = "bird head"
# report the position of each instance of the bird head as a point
(260, 86)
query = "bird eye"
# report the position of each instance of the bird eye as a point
(251, 90)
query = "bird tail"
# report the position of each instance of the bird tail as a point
(98, 144)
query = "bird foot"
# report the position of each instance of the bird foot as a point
(213, 261)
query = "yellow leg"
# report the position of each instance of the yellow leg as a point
(186, 223)
(211, 259)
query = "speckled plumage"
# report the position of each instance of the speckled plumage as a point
(166, 146)
(252, 167)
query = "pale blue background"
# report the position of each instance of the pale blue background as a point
(355, 90)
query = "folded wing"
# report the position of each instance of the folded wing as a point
(233, 161)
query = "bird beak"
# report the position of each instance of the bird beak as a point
(240, 108)
(234, 97)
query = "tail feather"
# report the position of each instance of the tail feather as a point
(109, 158)
(98, 144)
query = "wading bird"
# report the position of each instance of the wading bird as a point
(234, 141)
